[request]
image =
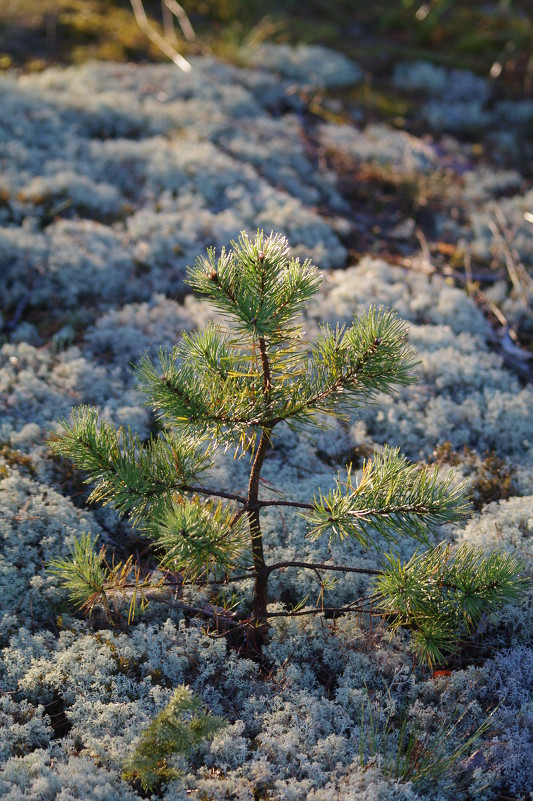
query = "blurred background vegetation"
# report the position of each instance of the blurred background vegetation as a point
(468, 34)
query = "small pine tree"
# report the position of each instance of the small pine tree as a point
(231, 389)
(180, 726)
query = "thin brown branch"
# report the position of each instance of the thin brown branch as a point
(320, 566)
(293, 504)
(231, 496)
(330, 610)
(252, 574)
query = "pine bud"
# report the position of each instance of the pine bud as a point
(261, 256)
(213, 276)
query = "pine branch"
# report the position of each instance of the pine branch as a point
(199, 538)
(393, 497)
(349, 366)
(443, 593)
(330, 611)
(92, 582)
(134, 478)
(84, 575)
(258, 285)
(204, 388)
(208, 388)
(322, 566)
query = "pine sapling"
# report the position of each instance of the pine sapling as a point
(232, 388)
(180, 726)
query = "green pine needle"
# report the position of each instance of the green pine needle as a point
(180, 726)
(443, 593)
(135, 478)
(257, 285)
(198, 537)
(393, 497)
(84, 575)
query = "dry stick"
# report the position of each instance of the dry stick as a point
(509, 261)
(474, 277)
(184, 21)
(156, 38)
(426, 253)
(168, 25)
(470, 276)
(170, 10)
(479, 295)
(517, 272)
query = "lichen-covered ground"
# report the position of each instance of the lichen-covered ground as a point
(115, 178)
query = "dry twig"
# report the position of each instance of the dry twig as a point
(167, 43)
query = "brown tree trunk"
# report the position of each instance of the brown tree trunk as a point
(261, 574)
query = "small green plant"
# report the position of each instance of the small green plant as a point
(233, 389)
(406, 751)
(180, 726)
